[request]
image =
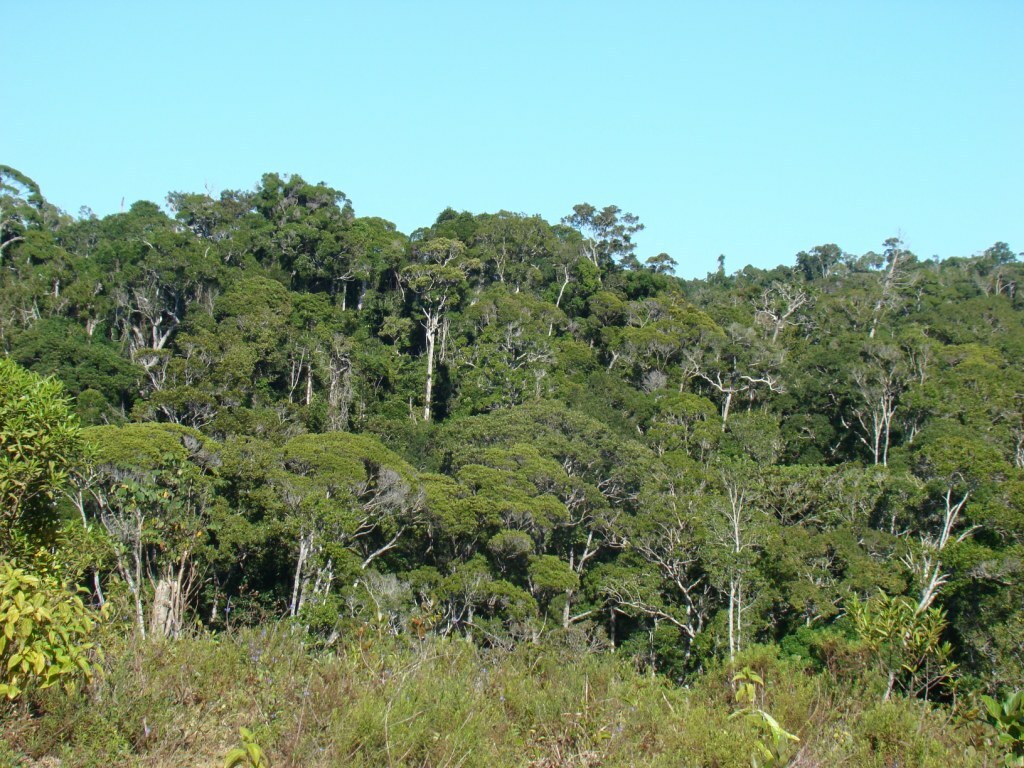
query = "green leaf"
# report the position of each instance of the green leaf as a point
(995, 709)
(236, 757)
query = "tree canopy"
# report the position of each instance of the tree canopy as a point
(505, 428)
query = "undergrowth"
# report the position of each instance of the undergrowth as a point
(383, 701)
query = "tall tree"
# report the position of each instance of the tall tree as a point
(607, 234)
(21, 206)
(438, 277)
(879, 380)
(732, 364)
(152, 493)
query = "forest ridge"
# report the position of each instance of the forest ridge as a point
(509, 430)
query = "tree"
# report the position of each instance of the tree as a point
(61, 348)
(45, 628)
(152, 272)
(208, 219)
(21, 207)
(671, 536)
(438, 278)
(897, 259)
(905, 642)
(346, 495)
(531, 494)
(556, 474)
(778, 306)
(739, 529)
(819, 262)
(662, 264)
(956, 465)
(879, 381)
(658, 331)
(570, 266)
(732, 364)
(506, 346)
(684, 422)
(607, 234)
(826, 549)
(995, 271)
(374, 246)
(513, 248)
(153, 495)
(305, 232)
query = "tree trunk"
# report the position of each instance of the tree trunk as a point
(305, 544)
(169, 593)
(134, 588)
(732, 620)
(165, 616)
(561, 290)
(431, 329)
(739, 615)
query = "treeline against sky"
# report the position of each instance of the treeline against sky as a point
(510, 429)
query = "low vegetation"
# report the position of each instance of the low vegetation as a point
(382, 701)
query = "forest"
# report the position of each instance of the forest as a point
(282, 483)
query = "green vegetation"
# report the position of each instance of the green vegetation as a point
(376, 701)
(499, 471)
(249, 755)
(1007, 717)
(44, 633)
(39, 443)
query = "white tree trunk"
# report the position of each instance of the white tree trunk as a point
(431, 325)
(165, 615)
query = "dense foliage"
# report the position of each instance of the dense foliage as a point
(517, 432)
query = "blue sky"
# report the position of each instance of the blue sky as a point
(750, 129)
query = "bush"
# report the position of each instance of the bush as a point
(44, 633)
(39, 440)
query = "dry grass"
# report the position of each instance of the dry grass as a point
(445, 704)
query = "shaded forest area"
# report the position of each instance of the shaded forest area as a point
(519, 434)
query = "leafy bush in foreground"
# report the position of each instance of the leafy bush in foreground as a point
(45, 632)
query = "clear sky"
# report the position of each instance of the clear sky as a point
(753, 129)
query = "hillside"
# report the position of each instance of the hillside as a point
(526, 435)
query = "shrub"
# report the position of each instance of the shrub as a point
(44, 632)
(39, 440)
(1007, 717)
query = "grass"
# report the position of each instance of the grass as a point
(384, 701)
